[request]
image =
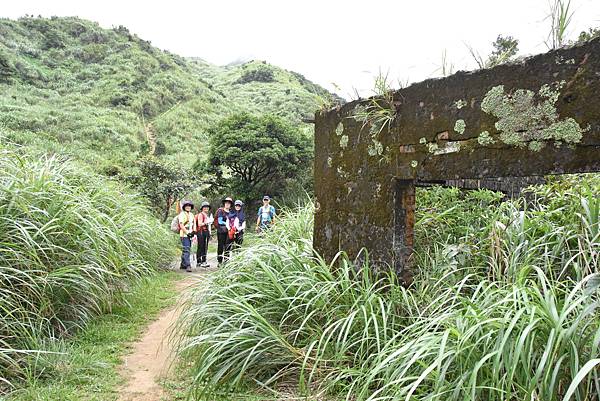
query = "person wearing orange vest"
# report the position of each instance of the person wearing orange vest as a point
(203, 223)
(186, 233)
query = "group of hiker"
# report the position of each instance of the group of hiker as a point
(229, 223)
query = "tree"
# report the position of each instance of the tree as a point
(161, 183)
(250, 155)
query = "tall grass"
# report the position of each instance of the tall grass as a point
(560, 15)
(70, 244)
(505, 307)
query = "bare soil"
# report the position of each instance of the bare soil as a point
(151, 357)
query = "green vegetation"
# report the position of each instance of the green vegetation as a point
(106, 97)
(71, 245)
(377, 112)
(84, 368)
(506, 294)
(249, 156)
(286, 94)
(256, 73)
(560, 15)
(505, 49)
(504, 307)
(588, 35)
(161, 183)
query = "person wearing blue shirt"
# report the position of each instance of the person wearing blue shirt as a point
(266, 215)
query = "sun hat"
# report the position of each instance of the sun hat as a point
(187, 203)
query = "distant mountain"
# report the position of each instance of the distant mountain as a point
(104, 96)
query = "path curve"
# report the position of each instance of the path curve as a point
(151, 356)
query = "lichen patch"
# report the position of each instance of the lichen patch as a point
(460, 126)
(526, 118)
(339, 129)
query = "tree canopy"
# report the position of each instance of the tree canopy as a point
(251, 155)
(160, 182)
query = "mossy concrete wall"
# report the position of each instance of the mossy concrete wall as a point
(545, 119)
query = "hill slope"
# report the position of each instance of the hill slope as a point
(105, 96)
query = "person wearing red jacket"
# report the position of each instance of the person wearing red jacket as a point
(203, 222)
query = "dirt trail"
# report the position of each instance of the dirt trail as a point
(151, 356)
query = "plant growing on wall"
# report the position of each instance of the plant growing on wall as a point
(561, 14)
(377, 111)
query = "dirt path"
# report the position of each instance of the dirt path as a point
(151, 356)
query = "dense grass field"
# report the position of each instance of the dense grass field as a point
(71, 245)
(70, 87)
(84, 366)
(504, 307)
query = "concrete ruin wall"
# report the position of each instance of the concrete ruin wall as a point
(544, 119)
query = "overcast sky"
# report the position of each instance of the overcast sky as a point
(330, 42)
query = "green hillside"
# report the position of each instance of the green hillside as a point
(105, 96)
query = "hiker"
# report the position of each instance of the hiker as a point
(239, 224)
(186, 232)
(231, 231)
(266, 215)
(203, 223)
(221, 222)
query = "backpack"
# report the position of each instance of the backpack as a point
(271, 213)
(175, 224)
(216, 219)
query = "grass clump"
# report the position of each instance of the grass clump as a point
(504, 307)
(84, 367)
(71, 244)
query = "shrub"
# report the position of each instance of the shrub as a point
(256, 72)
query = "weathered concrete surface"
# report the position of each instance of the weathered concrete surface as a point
(361, 199)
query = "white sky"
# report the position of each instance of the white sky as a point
(342, 42)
